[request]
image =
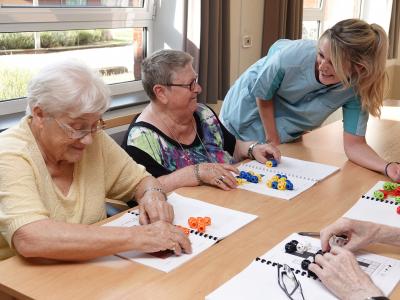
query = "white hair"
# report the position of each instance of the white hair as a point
(68, 87)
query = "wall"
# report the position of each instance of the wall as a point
(167, 36)
(246, 20)
(393, 68)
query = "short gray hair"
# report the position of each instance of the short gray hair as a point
(161, 66)
(68, 87)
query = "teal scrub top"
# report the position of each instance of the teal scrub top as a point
(287, 76)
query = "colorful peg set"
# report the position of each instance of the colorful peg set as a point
(390, 190)
(300, 248)
(199, 223)
(280, 182)
(271, 163)
(250, 176)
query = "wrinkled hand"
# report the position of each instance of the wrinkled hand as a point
(218, 175)
(359, 233)
(154, 207)
(340, 273)
(160, 236)
(262, 152)
(393, 171)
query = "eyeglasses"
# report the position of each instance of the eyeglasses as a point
(77, 134)
(191, 86)
(288, 282)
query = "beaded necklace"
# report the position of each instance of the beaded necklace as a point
(185, 151)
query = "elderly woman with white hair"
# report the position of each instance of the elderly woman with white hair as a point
(57, 168)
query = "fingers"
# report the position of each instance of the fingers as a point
(182, 244)
(220, 176)
(153, 209)
(276, 153)
(263, 151)
(230, 168)
(338, 250)
(316, 269)
(323, 260)
(340, 227)
(228, 179)
(143, 218)
(222, 183)
(165, 212)
(393, 171)
(179, 242)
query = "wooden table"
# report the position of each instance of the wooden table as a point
(115, 278)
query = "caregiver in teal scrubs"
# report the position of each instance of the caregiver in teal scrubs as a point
(300, 83)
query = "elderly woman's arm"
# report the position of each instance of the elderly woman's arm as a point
(75, 242)
(219, 175)
(152, 202)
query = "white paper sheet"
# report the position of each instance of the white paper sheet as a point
(367, 208)
(259, 281)
(224, 221)
(303, 174)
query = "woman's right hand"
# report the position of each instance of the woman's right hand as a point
(219, 175)
(160, 236)
(340, 273)
(359, 233)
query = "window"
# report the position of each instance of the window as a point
(313, 15)
(319, 15)
(108, 35)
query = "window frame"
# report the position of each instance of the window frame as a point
(315, 14)
(36, 18)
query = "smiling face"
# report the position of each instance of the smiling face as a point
(324, 70)
(183, 97)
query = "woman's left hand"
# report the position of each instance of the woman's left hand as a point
(393, 171)
(219, 175)
(154, 207)
(262, 152)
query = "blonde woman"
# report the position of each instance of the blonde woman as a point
(300, 83)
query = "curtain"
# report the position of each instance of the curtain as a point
(282, 19)
(207, 40)
(394, 31)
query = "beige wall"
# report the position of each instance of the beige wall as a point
(393, 68)
(246, 20)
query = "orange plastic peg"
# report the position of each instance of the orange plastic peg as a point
(192, 222)
(201, 226)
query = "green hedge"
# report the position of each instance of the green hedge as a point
(10, 41)
(53, 39)
(14, 83)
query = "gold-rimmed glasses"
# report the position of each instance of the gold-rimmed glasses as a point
(288, 282)
(77, 134)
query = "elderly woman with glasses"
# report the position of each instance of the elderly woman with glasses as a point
(57, 168)
(178, 140)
